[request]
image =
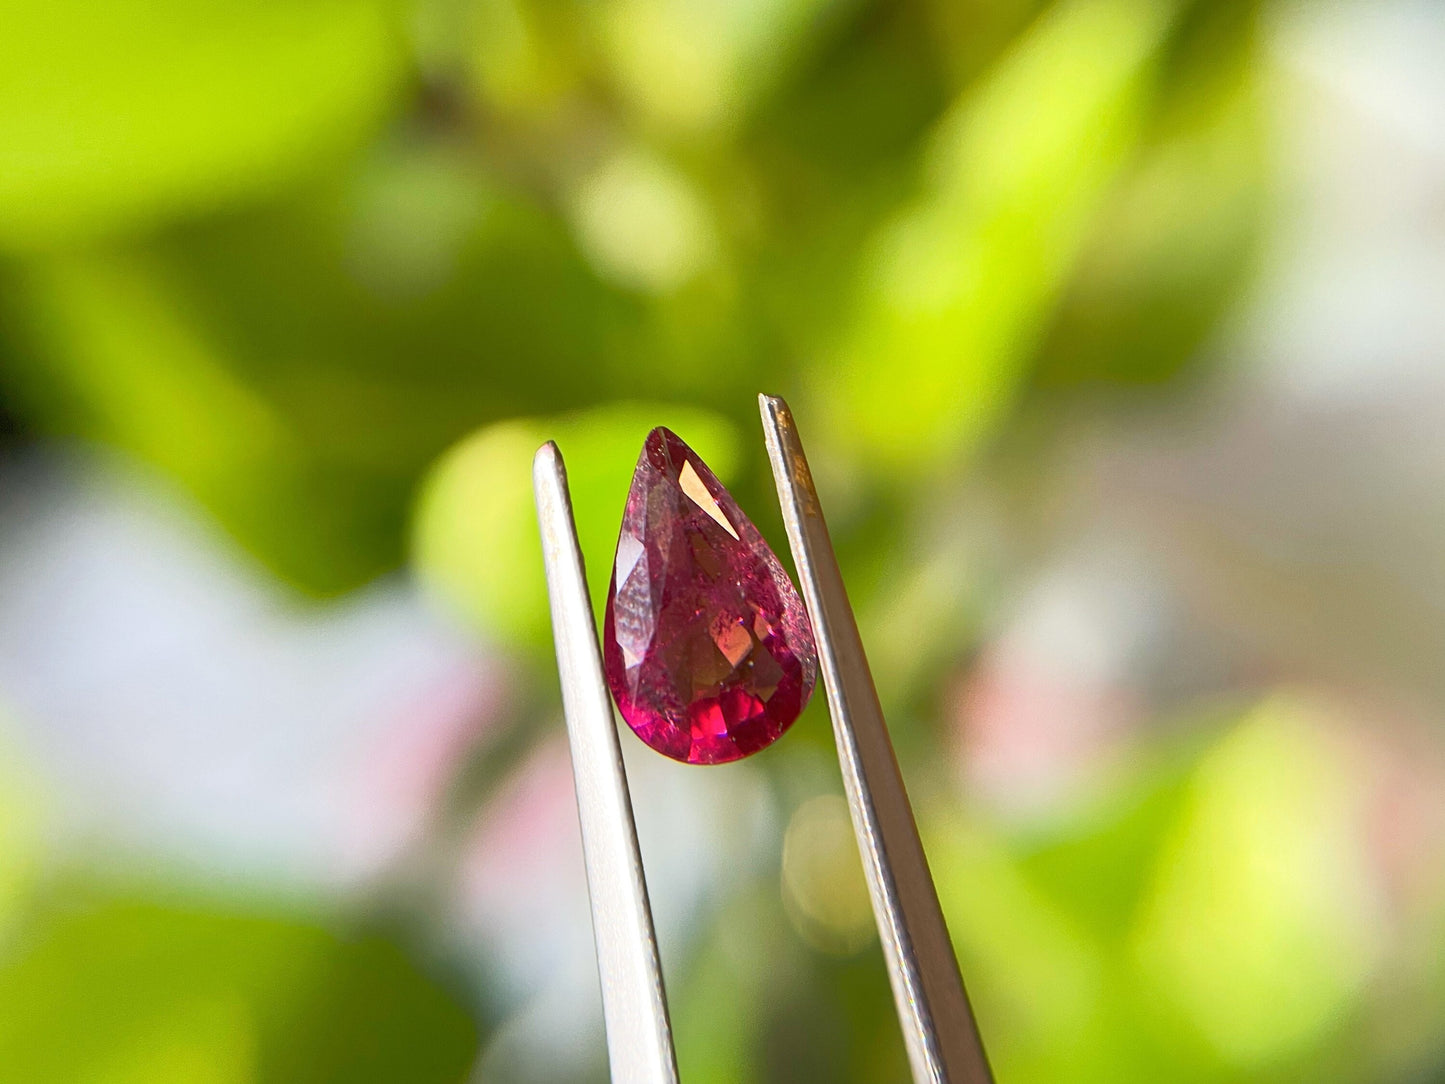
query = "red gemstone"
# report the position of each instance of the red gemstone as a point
(706, 644)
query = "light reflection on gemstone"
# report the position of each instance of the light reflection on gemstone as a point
(634, 633)
(732, 639)
(692, 485)
(629, 552)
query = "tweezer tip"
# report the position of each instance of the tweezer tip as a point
(547, 462)
(776, 416)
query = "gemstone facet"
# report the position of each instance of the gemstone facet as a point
(705, 643)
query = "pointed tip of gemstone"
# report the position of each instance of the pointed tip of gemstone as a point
(706, 645)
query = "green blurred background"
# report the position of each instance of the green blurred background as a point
(1114, 329)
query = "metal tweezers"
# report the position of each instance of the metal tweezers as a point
(939, 1031)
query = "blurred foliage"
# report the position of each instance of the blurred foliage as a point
(122, 987)
(338, 267)
(1208, 921)
(318, 243)
(114, 117)
(956, 283)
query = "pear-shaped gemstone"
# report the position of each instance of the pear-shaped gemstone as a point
(706, 645)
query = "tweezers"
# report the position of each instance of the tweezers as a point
(939, 1032)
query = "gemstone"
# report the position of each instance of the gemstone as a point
(706, 645)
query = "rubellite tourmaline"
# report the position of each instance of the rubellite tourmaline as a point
(706, 644)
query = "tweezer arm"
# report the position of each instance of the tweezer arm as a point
(938, 1026)
(634, 1005)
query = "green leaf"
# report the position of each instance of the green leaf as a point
(117, 114)
(959, 282)
(700, 65)
(1260, 928)
(1172, 248)
(124, 989)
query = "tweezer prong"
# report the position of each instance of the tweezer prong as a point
(938, 1026)
(634, 1005)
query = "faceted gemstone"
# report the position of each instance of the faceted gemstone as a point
(706, 644)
